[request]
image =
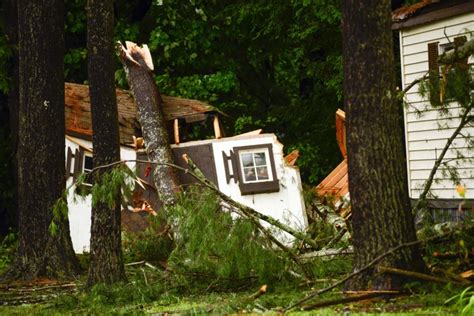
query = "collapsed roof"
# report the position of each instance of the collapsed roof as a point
(79, 121)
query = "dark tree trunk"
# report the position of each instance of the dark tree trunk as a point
(40, 154)
(106, 250)
(139, 66)
(381, 217)
(11, 32)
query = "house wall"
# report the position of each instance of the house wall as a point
(427, 134)
(80, 207)
(286, 205)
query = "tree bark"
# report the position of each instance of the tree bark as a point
(106, 264)
(40, 155)
(138, 66)
(381, 216)
(11, 31)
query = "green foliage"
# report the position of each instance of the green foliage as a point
(464, 301)
(210, 242)
(270, 65)
(149, 245)
(108, 183)
(5, 57)
(7, 250)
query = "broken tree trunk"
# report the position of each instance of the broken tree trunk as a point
(138, 66)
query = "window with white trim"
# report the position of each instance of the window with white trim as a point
(255, 165)
(253, 169)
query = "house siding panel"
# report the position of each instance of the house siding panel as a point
(427, 134)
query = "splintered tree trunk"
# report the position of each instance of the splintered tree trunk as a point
(139, 66)
(106, 264)
(381, 215)
(40, 155)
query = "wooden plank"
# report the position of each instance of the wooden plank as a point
(217, 127)
(176, 131)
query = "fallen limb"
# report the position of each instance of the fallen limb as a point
(199, 176)
(336, 238)
(373, 262)
(141, 263)
(416, 275)
(349, 299)
(262, 290)
(459, 53)
(327, 253)
(248, 211)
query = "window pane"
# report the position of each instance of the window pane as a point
(88, 163)
(260, 159)
(247, 160)
(249, 174)
(262, 173)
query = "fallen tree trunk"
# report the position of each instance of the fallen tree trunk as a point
(138, 66)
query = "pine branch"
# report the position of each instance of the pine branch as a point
(194, 172)
(465, 119)
(461, 52)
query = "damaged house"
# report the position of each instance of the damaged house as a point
(250, 168)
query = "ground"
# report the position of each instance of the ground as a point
(46, 297)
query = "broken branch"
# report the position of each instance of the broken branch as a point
(375, 261)
(416, 275)
(459, 53)
(465, 119)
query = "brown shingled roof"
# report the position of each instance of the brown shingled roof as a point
(78, 115)
(405, 12)
(426, 11)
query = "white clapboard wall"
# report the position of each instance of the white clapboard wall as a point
(426, 135)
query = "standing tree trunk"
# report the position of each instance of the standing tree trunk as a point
(40, 154)
(106, 264)
(381, 215)
(10, 17)
(139, 66)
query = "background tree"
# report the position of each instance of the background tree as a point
(40, 155)
(106, 252)
(8, 117)
(381, 213)
(270, 65)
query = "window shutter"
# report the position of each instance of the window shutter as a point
(68, 162)
(433, 68)
(230, 158)
(458, 42)
(433, 58)
(78, 157)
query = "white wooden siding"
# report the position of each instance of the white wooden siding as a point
(426, 134)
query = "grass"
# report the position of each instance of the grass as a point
(135, 298)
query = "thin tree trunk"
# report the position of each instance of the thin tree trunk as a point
(40, 155)
(381, 216)
(106, 264)
(138, 65)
